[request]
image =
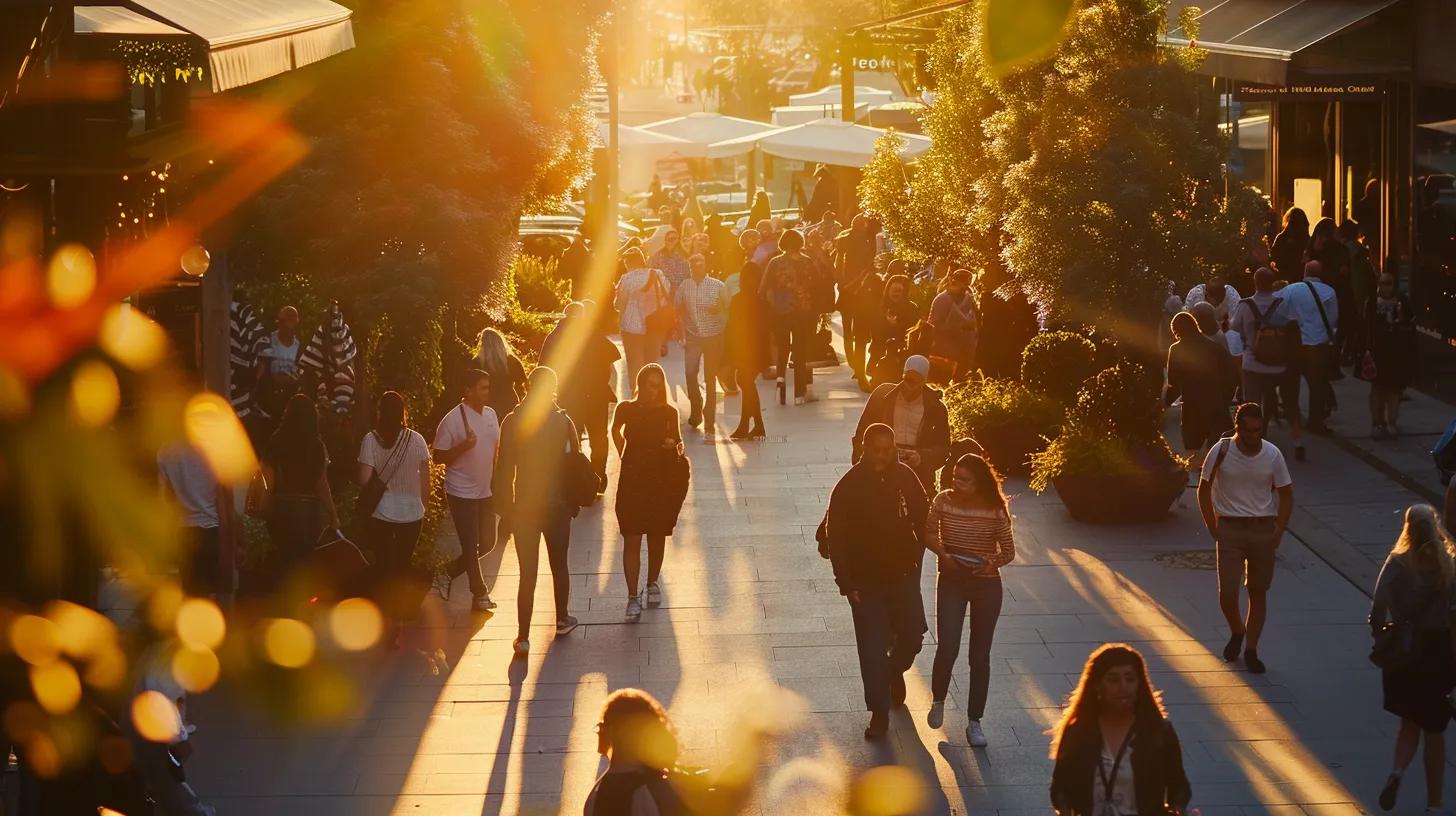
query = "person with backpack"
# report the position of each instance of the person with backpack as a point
(465, 442)
(1269, 378)
(788, 288)
(1245, 496)
(637, 738)
(533, 497)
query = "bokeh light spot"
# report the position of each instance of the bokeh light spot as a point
(132, 338)
(56, 687)
(215, 431)
(83, 631)
(36, 640)
(107, 668)
(288, 642)
(163, 605)
(200, 624)
(196, 670)
(155, 718)
(356, 624)
(889, 790)
(71, 277)
(95, 394)
(43, 757)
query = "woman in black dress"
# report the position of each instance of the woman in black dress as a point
(652, 484)
(1415, 590)
(1391, 333)
(748, 349)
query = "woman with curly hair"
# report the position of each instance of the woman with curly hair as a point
(637, 738)
(1116, 753)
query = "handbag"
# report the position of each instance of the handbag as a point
(581, 480)
(1397, 642)
(1367, 370)
(373, 491)
(662, 320)
(259, 501)
(1333, 372)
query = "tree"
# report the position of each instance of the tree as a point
(1093, 176)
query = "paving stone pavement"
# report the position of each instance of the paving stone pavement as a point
(750, 606)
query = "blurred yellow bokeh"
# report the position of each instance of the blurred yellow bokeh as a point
(71, 277)
(889, 790)
(200, 624)
(107, 668)
(14, 397)
(95, 394)
(163, 605)
(196, 670)
(56, 687)
(288, 642)
(132, 338)
(35, 639)
(356, 624)
(155, 718)
(215, 431)
(83, 632)
(43, 757)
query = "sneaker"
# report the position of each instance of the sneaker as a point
(935, 718)
(1390, 792)
(653, 596)
(482, 603)
(521, 647)
(565, 625)
(634, 609)
(879, 725)
(975, 735)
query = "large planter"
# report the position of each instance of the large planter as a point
(1010, 447)
(1102, 498)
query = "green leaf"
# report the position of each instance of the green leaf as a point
(1018, 32)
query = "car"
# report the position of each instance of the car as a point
(792, 81)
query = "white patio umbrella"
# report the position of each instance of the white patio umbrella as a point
(645, 144)
(786, 115)
(833, 95)
(827, 141)
(707, 129)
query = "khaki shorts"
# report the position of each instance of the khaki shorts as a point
(1245, 541)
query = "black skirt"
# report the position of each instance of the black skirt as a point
(1418, 692)
(650, 492)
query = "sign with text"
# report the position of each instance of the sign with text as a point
(1323, 90)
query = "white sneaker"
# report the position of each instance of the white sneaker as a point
(565, 625)
(798, 400)
(809, 394)
(634, 609)
(653, 596)
(975, 736)
(936, 717)
(522, 647)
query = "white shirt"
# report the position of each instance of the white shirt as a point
(1123, 801)
(1199, 294)
(636, 298)
(1299, 306)
(1246, 485)
(468, 477)
(403, 501)
(282, 357)
(189, 478)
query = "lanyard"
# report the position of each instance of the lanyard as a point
(1107, 781)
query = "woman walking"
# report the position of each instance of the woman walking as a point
(1198, 371)
(1391, 336)
(652, 485)
(748, 350)
(788, 289)
(295, 468)
(637, 738)
(1116, 753)
(953, 316)
(507, 373)
(399, 457)
(1414, 593)
(969, 530)
(642, 297)
(896, 316)
(1287, 251)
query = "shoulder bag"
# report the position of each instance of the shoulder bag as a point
(582, 483)
(373, 491)
(662, 320)
(1397, 642)
(1333, 372)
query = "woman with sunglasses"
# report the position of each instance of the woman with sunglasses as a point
(969, 530)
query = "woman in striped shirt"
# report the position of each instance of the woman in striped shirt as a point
(969, 530)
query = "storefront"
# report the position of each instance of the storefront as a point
(1347, 109)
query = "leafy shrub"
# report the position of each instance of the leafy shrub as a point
(981, 404)
(1074, 453)
(409, 362)
(1057, 363)
(922, 293)
(537, 287)
(1121, 402)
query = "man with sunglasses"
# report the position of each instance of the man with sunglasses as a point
(1245, 495)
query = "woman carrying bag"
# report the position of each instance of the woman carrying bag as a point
(394, 479)
(1410, 622)
(647, 317)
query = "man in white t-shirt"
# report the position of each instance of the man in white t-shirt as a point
(208, 524)
(1246, 497)
(277, 375)
(466, 442)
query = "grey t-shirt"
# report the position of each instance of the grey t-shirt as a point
(188, 477)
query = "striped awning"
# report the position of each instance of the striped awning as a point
(251, 40)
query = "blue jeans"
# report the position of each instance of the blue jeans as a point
(889, 625)
(954, 593)
(475, 526)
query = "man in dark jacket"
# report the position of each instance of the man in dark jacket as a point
(579, 345)
(874, 526)
(918, 417)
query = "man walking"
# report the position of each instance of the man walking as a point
(702, 308)
(854, 267)
(917, 416)
(1312, 304)
(1245, 496)
(1268, 377)
(465, 442)
(875, 525)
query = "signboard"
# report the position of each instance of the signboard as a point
(1322, 90)
(882, 63)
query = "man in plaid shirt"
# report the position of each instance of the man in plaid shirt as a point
(702, 307)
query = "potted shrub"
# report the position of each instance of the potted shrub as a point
(1111, 463)
(1009, 420)
(1057, 363)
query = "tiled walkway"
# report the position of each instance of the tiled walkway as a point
(750, 606)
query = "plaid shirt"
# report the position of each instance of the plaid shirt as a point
(703, 307)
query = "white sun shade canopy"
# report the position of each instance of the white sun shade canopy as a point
(121, 22)
(833, 95)
(828, 141)
(640, 142)
(251, 40)
(707, 129)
